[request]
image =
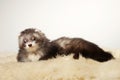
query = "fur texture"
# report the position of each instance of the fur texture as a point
(85, 48)
(33, 45)
(60, 68)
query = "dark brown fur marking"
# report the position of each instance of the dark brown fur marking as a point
(85, 48)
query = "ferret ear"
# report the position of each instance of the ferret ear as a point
(40, 33)
(37, 30)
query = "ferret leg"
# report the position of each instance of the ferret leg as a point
(76, 56)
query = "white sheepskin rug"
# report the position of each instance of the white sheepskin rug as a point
(61, 68)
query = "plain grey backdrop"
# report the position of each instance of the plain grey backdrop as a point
(95, 20)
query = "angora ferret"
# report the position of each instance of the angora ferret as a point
(85, 48)
(33, 46)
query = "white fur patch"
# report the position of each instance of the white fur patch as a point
(33, 48)
(40, 53)
(21, 40)
(33, 57)
(36, 35)
(37, 30)
(63, 43)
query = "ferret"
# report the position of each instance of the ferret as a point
(83, 47)
(34, 46)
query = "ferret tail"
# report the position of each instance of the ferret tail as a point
(99, 56)
(105, 56)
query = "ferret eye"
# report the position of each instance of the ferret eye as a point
(25, 41)
(33, 38)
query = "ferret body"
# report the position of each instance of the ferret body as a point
(34, 45)
(85, 48)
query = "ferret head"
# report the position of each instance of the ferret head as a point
(31, 39)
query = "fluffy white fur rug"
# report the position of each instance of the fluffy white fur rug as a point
(61, 68)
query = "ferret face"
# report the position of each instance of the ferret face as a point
(29, 42)
(31, 39)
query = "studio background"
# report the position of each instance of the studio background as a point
(97, 21)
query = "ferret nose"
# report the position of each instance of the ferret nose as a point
(30, 45)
